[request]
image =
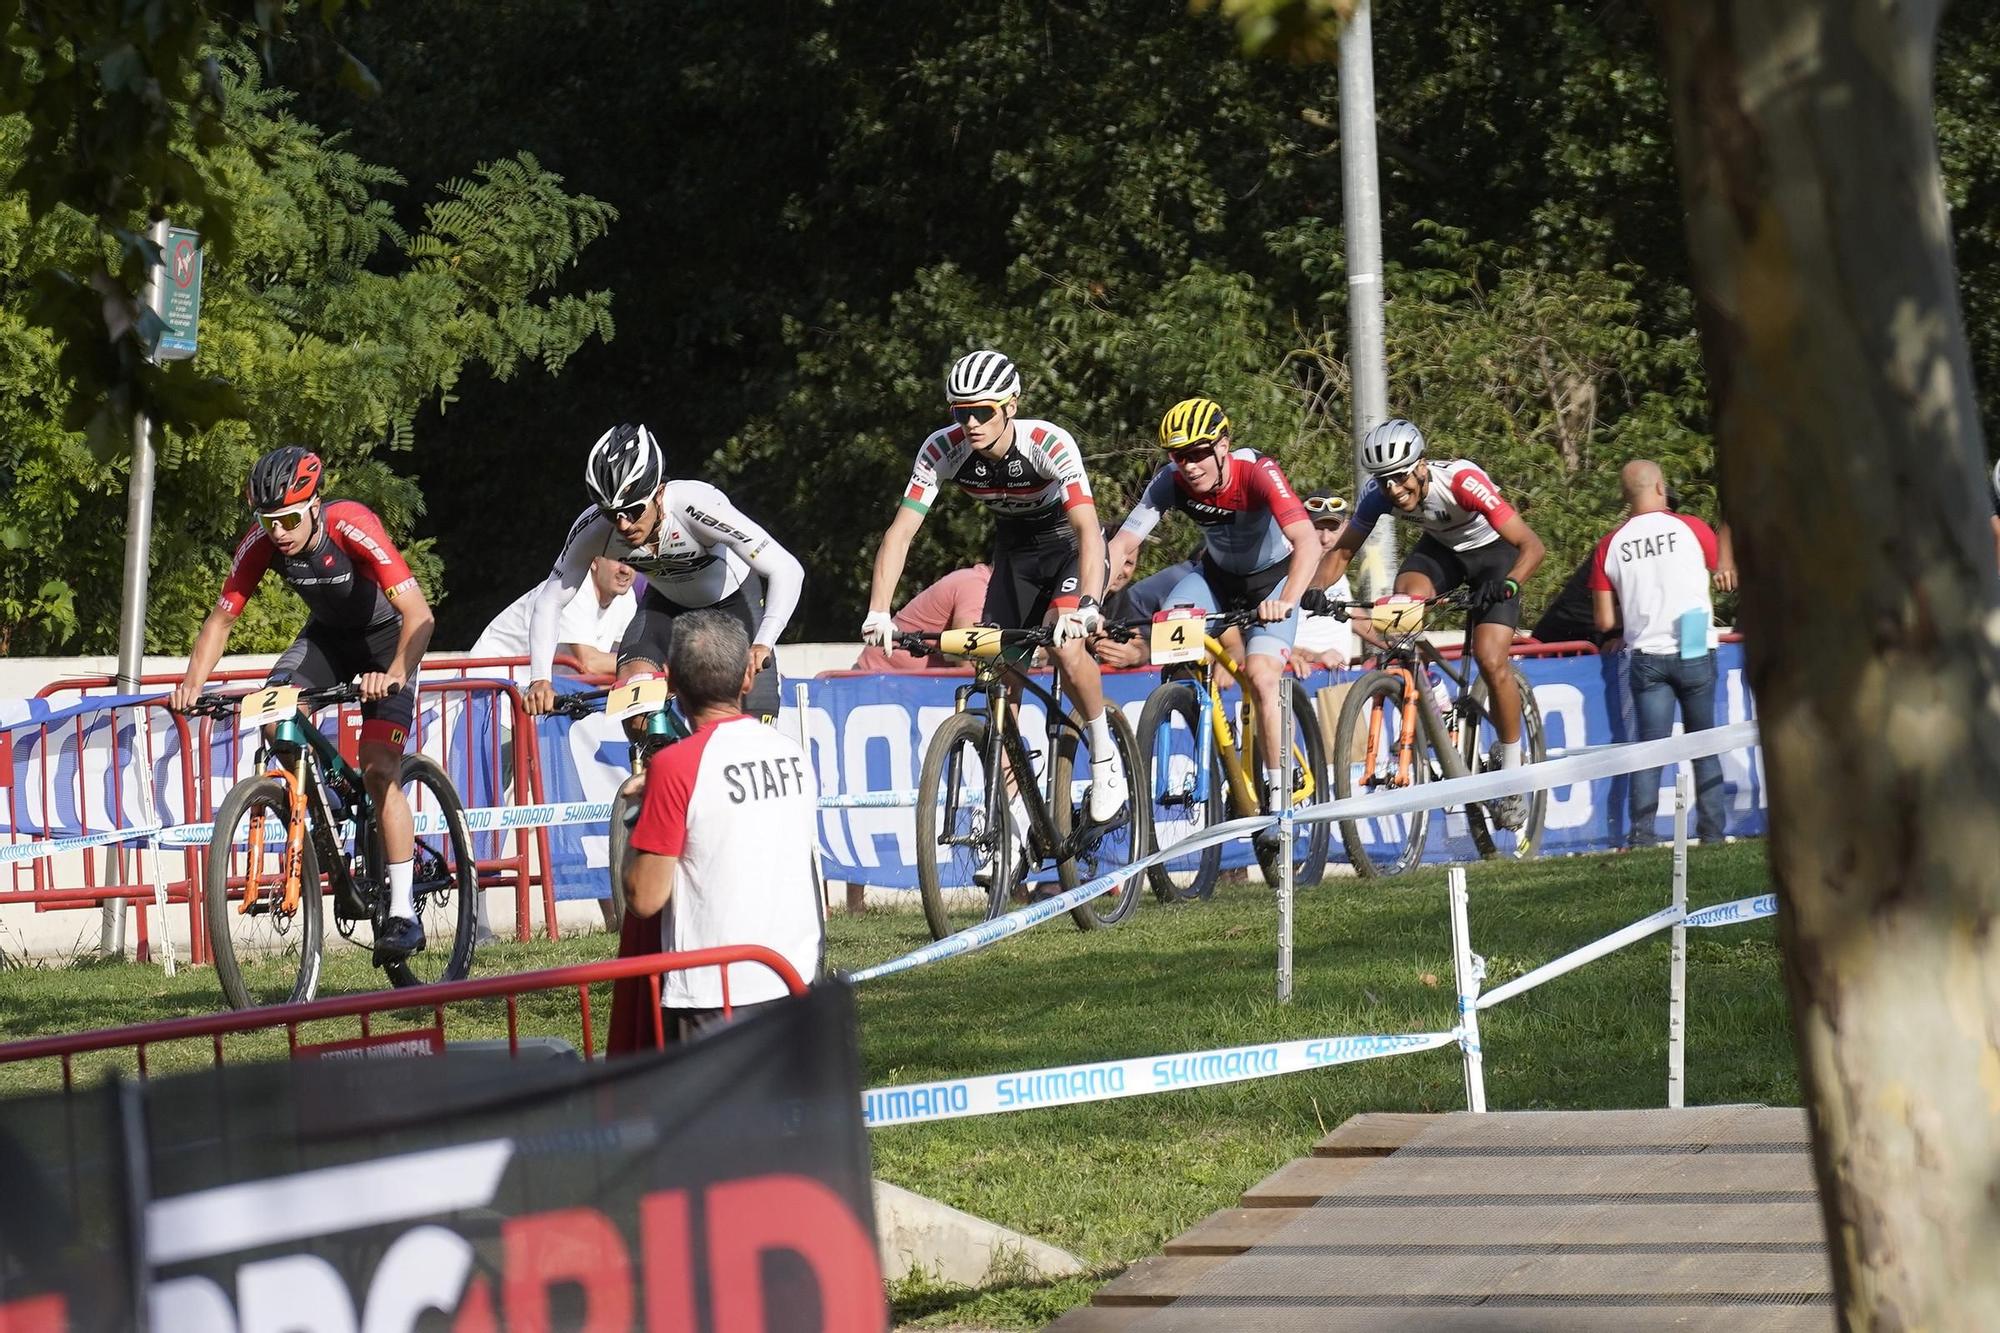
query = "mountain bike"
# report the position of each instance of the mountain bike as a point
(305, 824)
(662, 727)
(1401, 724)
(969, 861)
(1197, 768)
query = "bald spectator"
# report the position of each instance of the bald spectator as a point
(1655, 569)
(953, 602)
(723, 849)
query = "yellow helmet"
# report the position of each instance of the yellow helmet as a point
(1192, 421)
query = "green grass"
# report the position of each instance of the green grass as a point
(1115, 1180)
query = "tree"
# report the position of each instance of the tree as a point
(330, 323)
(1851, 450)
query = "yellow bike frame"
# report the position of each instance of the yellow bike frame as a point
(1236, 769)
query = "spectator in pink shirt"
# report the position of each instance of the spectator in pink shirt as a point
(953, 602)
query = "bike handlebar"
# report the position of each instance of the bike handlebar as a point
(222, 705)
(920, 643)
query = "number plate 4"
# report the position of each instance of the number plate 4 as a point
(1180, 635)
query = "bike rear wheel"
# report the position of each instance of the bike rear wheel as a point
(1493, 841)
(443, 878)
(1308, 762)
(965, 851)
(1369, 756)
(1117, 846)
(1170, 743)
(264, 954)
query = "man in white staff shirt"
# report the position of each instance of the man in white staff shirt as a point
(725, 839)
(1654, 567)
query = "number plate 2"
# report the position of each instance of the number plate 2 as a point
(272, 704)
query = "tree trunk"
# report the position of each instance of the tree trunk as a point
(1850, 458)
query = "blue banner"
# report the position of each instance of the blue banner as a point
(867, 733)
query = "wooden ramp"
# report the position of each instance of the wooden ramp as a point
(1702, 1219)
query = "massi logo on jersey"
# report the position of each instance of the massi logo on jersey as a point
(711, 521)
(360, 535)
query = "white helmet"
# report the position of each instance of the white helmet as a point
(624, 468)
(982, 377)
(1393, 446)
(1996, 483)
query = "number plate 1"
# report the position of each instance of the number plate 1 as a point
(273, 704)
(1179, 636)
(641, 696)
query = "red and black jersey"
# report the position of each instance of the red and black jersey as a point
(348, 576)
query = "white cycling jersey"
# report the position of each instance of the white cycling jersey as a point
(703, 551)
(1462, 507)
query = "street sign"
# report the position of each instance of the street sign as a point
(177, 293)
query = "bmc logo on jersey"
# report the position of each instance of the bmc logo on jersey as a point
(1476, 489)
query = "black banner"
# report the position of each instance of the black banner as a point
(716, 1188)
(71, 1186)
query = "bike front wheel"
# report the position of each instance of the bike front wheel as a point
(624, 814)
(965, 849)
(443, 878)
(1493, 841)
(265, 952)
(1373, 752)
(1183, 804)
(1116, 845)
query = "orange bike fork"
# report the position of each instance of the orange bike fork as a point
(1406, 743)
(295, 836)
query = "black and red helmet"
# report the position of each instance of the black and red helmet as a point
(286, 476)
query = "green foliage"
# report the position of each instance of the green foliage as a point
(124, 105)
(835, 200)
(329, 323)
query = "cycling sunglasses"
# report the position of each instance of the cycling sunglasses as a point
(1193, 453)
(285, 520)
(630, 513)
(1397, 479)
(974, 414)
(1325, 506)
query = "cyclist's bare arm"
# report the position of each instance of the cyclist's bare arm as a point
(411, 641)
(891, 555)
(1528, 546)
(1124, 546)
(209, 642)
(1338, 556)
(1305, 560)
(1090, 547)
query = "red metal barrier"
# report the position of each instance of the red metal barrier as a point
(522, 869)
(214, 1027)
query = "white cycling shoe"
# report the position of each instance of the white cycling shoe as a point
(1107, 791)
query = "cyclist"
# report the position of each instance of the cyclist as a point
(368, 619)
(1048, 551)
(696, 549)
(1260, 550)
(1472, 538)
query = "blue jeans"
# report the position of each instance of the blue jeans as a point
(1659, 681)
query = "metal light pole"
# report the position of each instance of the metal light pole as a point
(1361, 220)
(132, 610)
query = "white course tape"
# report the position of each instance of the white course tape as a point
(1735, 913)
(1721, 914)
(1000, 927)
(1067, 1085)
(29, 851)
